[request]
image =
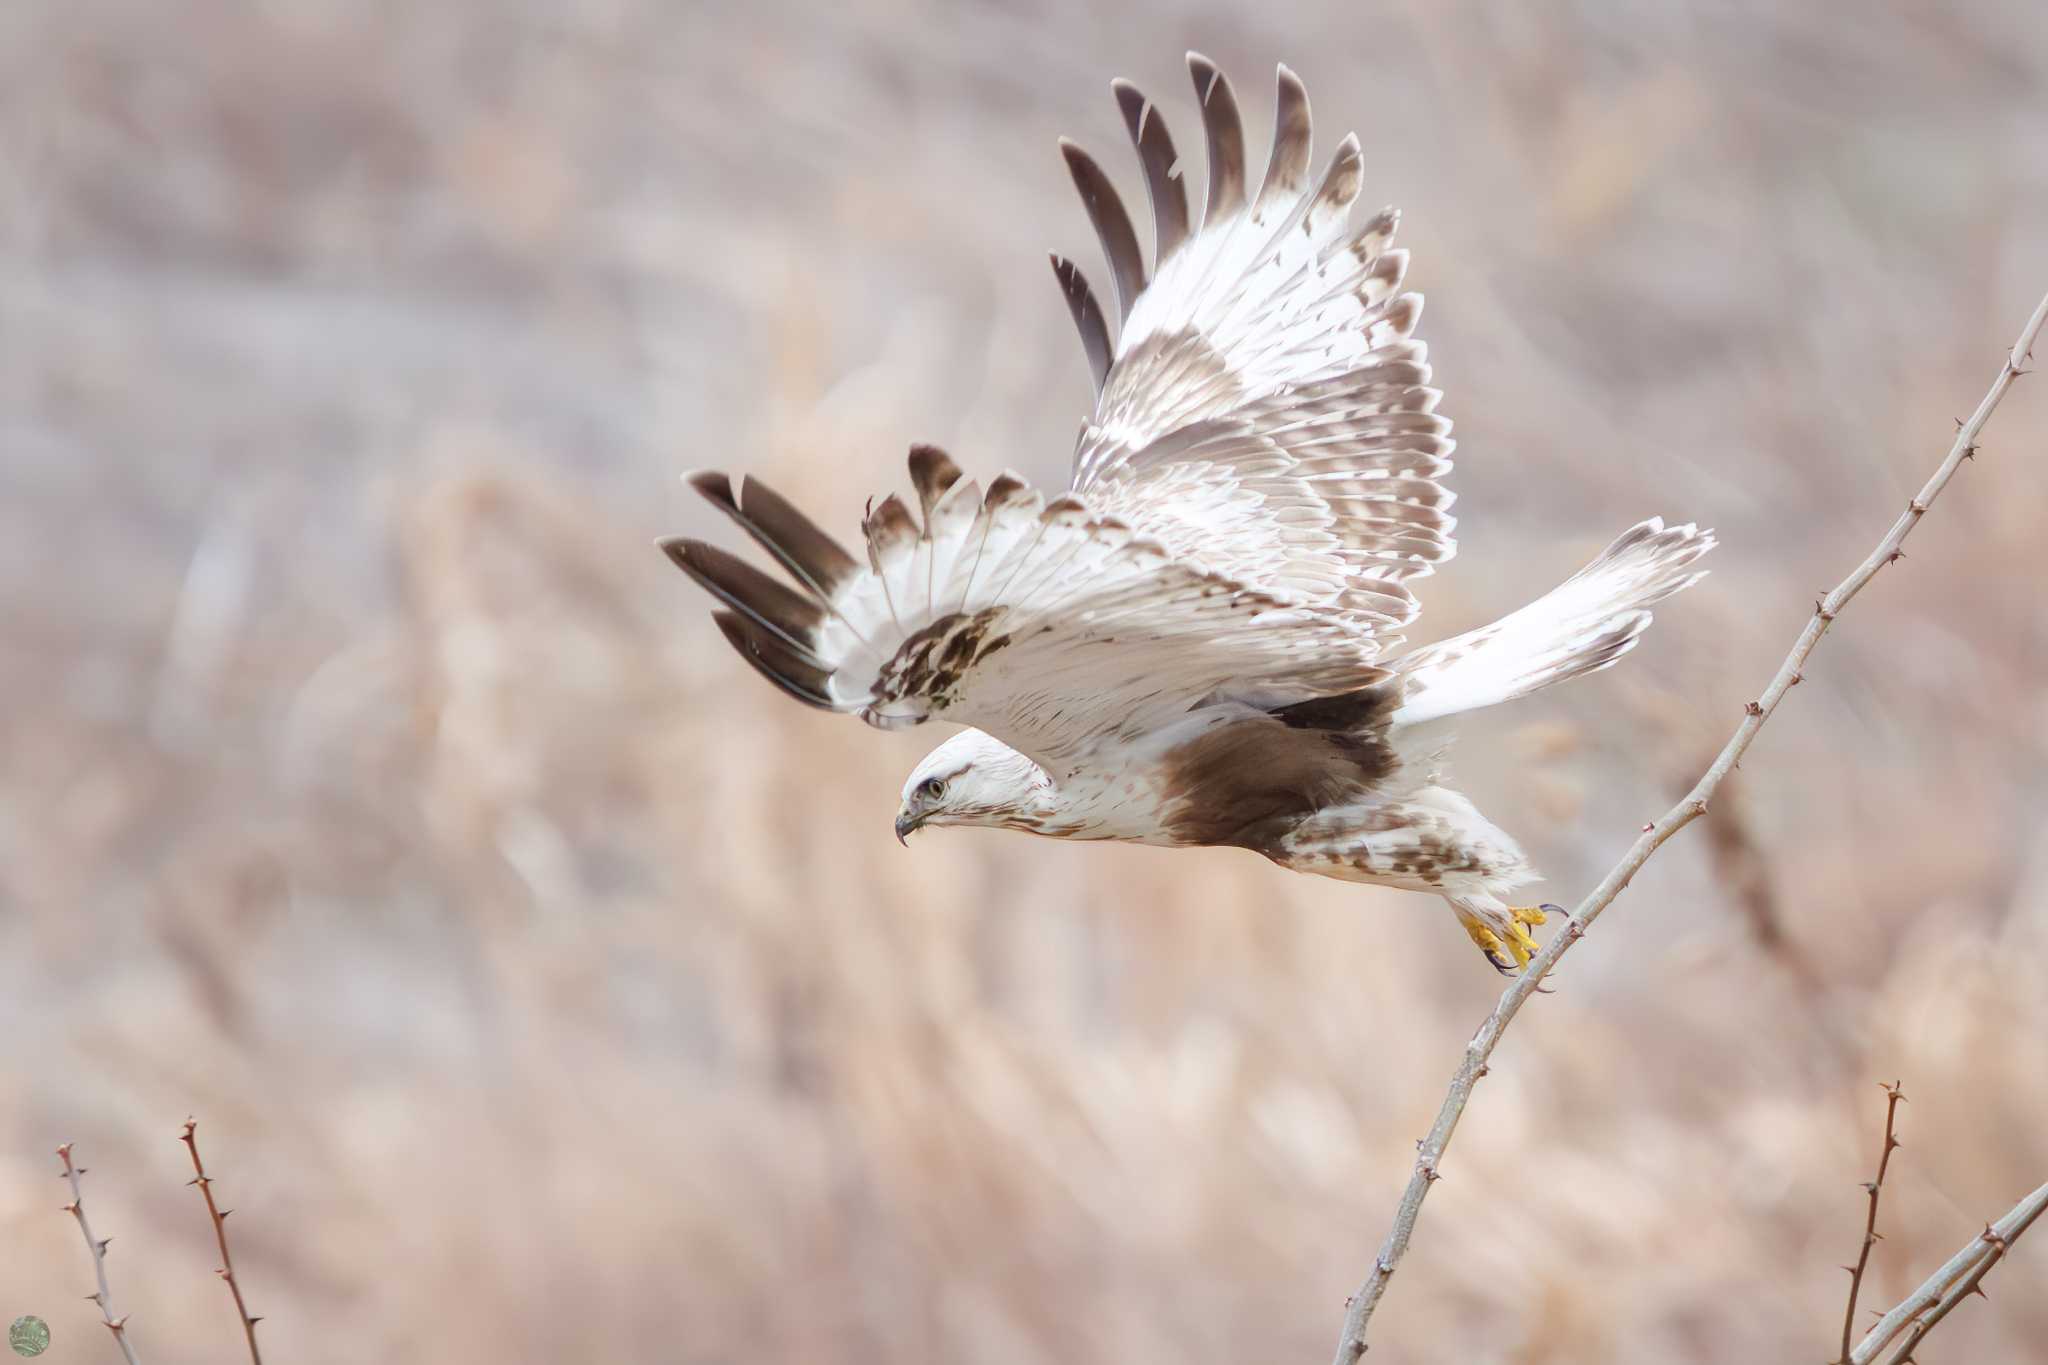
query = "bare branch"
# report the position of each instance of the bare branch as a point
(1351, 1345)
(220, 1233)
(1892, 1098)
(98, 1247)
(1950, 1285)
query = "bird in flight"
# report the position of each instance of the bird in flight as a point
(1194, 643)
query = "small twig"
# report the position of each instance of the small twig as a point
(1893, 1096)
(98, 1247)
(220, 1232)
(1950, 1285)
(1428, 1167)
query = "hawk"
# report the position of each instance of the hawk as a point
(1194, 643)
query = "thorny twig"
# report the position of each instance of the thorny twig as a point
(220, 1232)
(98, 1247)
(1945, 1288)
(1893, 1097)
(1351, 1345)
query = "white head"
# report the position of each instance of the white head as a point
(974, 779)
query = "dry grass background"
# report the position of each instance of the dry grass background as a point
(549, 989)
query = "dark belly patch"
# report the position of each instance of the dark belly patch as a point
(1248, 782)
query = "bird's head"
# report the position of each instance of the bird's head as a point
(972, 779)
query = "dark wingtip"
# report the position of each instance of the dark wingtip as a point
(1293, 131)
(677, 549)
(1005, 485)
(1088, 319)
(761, 599)
(1112, 225)
(714, 485)
(1224, 130)
(932, 472)
(792, 674)
(816, 560)
(1131, 101)
(1163, 188)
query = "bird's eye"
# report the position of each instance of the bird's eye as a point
(931, 789)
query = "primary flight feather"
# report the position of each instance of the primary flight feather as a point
(1193, 644)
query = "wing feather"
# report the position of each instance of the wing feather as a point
(787, 615)
(1266, 412)
(1041, 621)
(816, 560)
(1088, 319)
(1163, 189)
(789, 670)
(1261, 476)
(1293, 139)
(1112, 227)
(1224, 130)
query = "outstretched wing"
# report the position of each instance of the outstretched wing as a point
(1265, 411)
(1047, 624)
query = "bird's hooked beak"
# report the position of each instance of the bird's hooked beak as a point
(906, 825)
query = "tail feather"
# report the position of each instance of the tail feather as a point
(1582, 625)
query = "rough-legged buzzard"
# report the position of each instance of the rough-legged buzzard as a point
(1194, 643)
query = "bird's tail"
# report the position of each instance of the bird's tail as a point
(1584, 624)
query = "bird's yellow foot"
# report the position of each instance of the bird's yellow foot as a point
(1525, 945)
(1509, 952)
(1490, 944)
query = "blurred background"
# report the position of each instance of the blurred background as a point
(548, 988)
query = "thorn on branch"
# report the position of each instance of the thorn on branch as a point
(1874, 1188)
(1917, 507)
(102, 1296)
(1752, 708)
(220, 1233)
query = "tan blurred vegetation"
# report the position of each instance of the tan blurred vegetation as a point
(550, 989)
